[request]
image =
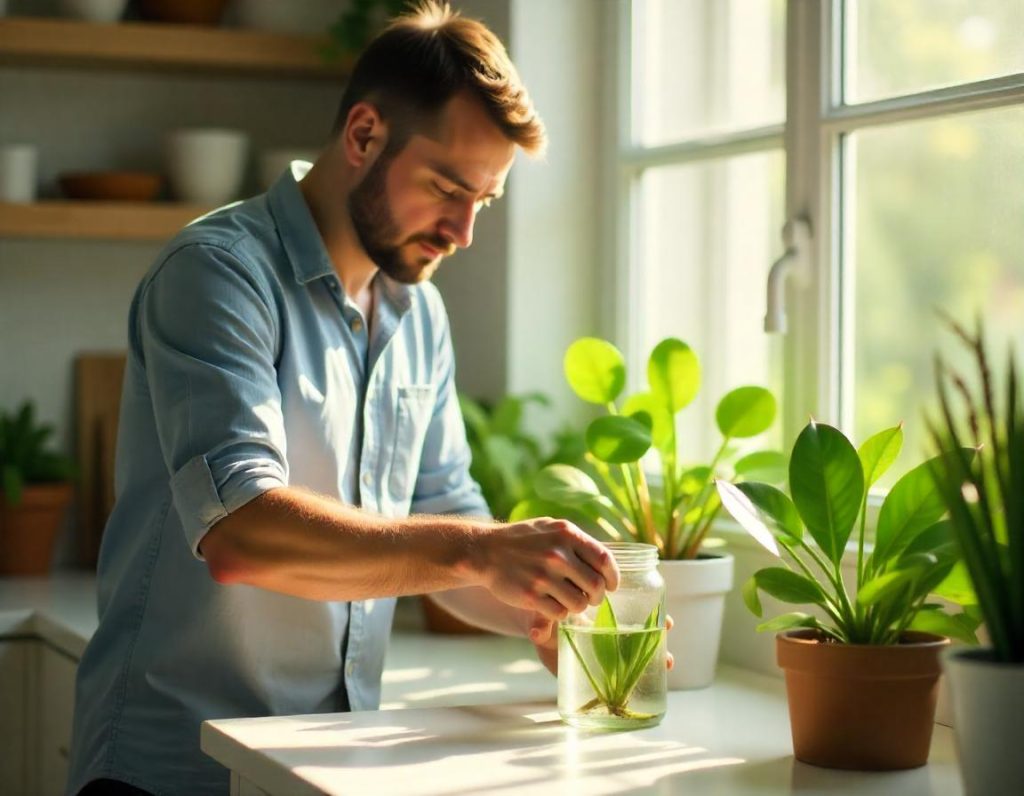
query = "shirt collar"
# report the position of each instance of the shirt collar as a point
(295, 224)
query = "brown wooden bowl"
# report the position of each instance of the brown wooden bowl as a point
(111, 186)
(184, 12)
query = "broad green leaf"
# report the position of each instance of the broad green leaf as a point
(767, 466)
(957, 626)
(885, 586)
(937, 538)
(776, 507)
(745, 412)
(637, 650)
(751, 598)
(788, 622)
(661, 432)
(788, 586)
(957, 587)
(475, 417)
(827, 483)
(564, 484)
(879, 452)
(913, 504)
(673, 371)
(746, 514)
(693, 480)
(507, 415)
(606, 645)
(535, 507)
(617, 439)
(595, 369)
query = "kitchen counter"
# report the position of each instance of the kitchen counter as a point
(732, 738)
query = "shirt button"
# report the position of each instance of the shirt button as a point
(367, 479)
(356, 325)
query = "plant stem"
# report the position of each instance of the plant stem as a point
(644, 495)
(830, 606)
(702, 494)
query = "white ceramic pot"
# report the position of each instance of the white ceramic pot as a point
(94, 10)
(695, 599)
(273, 162)
(206, 166)
(988, 718)
(295, 16)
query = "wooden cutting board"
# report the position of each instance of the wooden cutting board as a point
(98, 379)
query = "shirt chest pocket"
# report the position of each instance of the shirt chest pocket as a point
(414, 409)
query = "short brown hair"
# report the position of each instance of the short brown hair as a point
(425, 57)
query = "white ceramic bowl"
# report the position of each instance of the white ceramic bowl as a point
(273, 162)
(295, 16)
(94, 10)
(206, 165)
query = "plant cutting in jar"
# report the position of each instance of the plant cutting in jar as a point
(619, 658)
(915, 553)
(613, 495)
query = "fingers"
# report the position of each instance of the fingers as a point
(600, 560)
(540, 632)
(668, 622)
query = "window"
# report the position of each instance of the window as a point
(895, 129)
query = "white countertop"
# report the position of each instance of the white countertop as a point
(60, 610)
(732, 738)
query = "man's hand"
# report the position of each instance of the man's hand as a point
(544, 635)
(547, 566)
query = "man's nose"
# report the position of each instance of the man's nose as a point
(458, 224)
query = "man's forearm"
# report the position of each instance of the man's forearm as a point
(295, 542)
(479, 607)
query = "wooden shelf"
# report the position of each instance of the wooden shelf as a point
(134, 45)
(152, 221)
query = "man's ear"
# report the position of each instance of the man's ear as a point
(365, 134)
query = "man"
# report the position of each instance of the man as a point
(289, 400)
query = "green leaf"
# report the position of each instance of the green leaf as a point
(661, 433)
(564, 484)
(788, 622)
(957, 626)
(778, 510)
(595, 369)
(879, 452)
(693, 480)
(827, 483)
(789, 587)
(747, 515)
(673, 371)
(606, 645)
(885, 586)
(617, 439)
(751, 598)
(767, 466)
(957, 587)
(937, 538)
(475, 418)
(745, 412)
(913, 504)
(12, 484)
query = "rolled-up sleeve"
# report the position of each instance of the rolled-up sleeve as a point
(207, 334)
(444, 485)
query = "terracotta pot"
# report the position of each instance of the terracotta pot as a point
(438, 620)
(859, 706)
(184, 12)
(28, 530)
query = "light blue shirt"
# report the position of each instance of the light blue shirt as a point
(248, 369)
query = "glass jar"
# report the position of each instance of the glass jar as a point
(611, 657)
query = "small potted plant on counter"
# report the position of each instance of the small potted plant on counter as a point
(35, 492)
(613, 496)
(862, 675)
(985, 499)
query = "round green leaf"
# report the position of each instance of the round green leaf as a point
(827, 483)
(595, 370)
(767, 466)
(661, 432)
(745, 412)
(673, 372)
(617, 439)
(564, 484)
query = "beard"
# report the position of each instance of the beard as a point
(378, 231)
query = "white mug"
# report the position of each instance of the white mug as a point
(206, 166)
(18, 164)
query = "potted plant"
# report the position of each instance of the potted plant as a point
(862, 675)
(612, 495)
(505, 458)
(35, 491)
(985, 499)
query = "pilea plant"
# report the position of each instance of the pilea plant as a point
(622, 657)
(612, 494)
(914, 554)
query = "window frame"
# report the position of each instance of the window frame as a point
(816, 360)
